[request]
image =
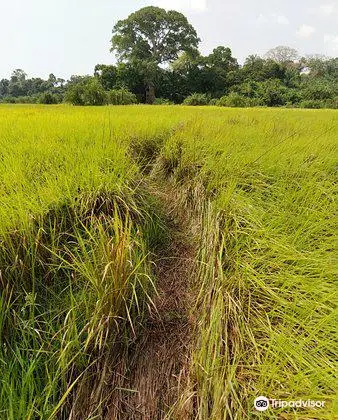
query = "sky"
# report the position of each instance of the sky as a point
(66, 37)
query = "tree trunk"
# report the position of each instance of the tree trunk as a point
(150, 94)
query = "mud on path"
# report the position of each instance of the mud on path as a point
(150, 380)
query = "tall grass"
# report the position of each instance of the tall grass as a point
(77, 231)
(266, 304)
(78, 228)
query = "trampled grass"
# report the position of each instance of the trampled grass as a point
(78, 227)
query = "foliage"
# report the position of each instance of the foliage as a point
(233, 100)
(19, 86)
(93, 93)
(107, 75)
(49, 98)
(163, 101)
(153, 34)
(121, 97)
(86, 92)
(311, 104)
(272, 92)
(196, 99)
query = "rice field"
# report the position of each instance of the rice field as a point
(82, 225)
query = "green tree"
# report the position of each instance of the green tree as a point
(321, 66)
(153, 36)
(88, 91)
(221, 58)
(4, 83)
(222, 66)
(107, 75)
(52, 80)
(272, 92)
(17, 84)
(94, 94)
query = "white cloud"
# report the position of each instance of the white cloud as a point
(262, 19)
(282, 20)
(327, 9)
(194, 5)
(306, 31)
(331, 44)
(273, 19)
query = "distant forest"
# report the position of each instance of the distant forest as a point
(159, 63)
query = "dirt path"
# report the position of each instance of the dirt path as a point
(151, 379)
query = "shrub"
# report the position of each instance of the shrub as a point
(319, 91)
(233, 100)
(196, 99)
(94, 94)
(48, 98)
(332, 103)
(272, 92)
(74, 94)
(121, 97)
(312, 104)
(252, 102)
(87, 92)
(20, 99)
(163, 101)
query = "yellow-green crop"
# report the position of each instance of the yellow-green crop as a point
(78, 226)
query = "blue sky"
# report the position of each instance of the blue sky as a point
(71, 36)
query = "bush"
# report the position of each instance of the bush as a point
(196, 99)
(272, 92)
(252, 102)
(163, 101)
(318, 91)
(74, 94)
(48, 98)
(94, 94)
(312, 104)
(213, 101)
(233, 100)
(121, 97)
(332, 103)
(20, 99)
(88, 92)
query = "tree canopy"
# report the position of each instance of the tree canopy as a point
(282, 54)
(153, 34)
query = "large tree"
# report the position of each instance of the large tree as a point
(153, 36)
(282, 54)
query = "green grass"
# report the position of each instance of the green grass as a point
(78, 228)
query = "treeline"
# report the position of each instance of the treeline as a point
(20, 89)
(217, 79)
(159, 63)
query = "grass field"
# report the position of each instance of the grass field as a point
(82, 225)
